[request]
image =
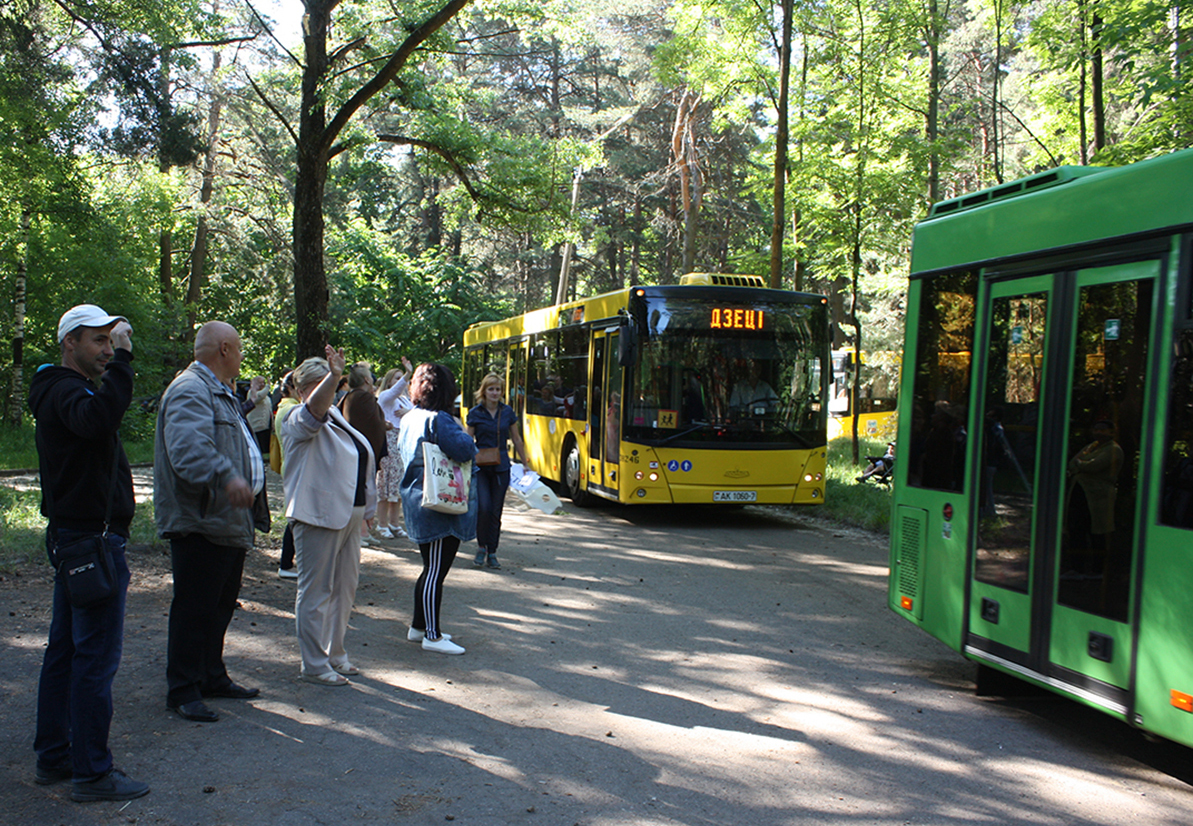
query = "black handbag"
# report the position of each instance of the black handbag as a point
(84, 563)
(87, 571)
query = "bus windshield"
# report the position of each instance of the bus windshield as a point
(728, 374)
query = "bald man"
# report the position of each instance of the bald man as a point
(207, 472)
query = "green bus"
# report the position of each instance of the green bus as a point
(1042, 520)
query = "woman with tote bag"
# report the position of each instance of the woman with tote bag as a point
(433, 392)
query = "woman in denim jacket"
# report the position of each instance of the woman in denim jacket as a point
(433, 392)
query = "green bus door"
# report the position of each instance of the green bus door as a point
(1061, 410)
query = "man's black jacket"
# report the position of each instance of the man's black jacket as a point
(76, 444)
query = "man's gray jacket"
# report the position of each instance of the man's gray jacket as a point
(199, 447)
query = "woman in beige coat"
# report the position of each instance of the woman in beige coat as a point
(330, 489)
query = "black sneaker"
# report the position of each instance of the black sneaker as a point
(53, 774)
(115, 785)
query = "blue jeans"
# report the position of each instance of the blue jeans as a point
(491, 485)
(74, 696)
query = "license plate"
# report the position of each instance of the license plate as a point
(735, 496)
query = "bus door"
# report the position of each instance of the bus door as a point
(1090, 636)
(1064, 396)
(516, 386)
(1004, 575)
(604, 443)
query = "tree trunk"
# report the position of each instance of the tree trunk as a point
(800, 274)
(314, 146)
(781, 136)
(165, 237)
(683, 153)
(565, 270)
(636, 248)
(16, 399)
(858, 200)
(1083, 128)
(310, 277)
(1099, 105)
(198, 259)
(995, 87)
(932, 127)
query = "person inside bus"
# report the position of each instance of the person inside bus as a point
(613, 428)
(692, 398)
(548, 403)
(1093, 489)
(751, 391)
(938, 463)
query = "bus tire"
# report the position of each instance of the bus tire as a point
(571, 477)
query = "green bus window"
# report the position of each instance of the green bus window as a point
(1104, 435)
(1176, 503)
(1014, 375)
(942, 368)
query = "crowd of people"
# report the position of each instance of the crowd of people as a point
(351, 459)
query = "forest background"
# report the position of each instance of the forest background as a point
(382, 174)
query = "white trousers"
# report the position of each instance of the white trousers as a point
(328, 572)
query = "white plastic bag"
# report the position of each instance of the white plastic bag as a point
(445, 481)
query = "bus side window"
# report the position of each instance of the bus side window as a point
(943, 359)
(1176, 502)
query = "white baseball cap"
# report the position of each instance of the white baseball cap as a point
(85, 315)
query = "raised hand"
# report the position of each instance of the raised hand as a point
(335, 359)
(122, 336)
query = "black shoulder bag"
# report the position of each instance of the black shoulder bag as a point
(85, 564)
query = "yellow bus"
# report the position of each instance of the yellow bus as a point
(876, 416)
(712, 390)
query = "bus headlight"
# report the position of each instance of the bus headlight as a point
(654, 477)
(639, 475)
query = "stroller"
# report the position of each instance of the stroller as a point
(881, 468)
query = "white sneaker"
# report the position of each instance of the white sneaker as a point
(442, 646)
(397, 530)
(288, 573)
(364, 542)
(385, 533)
(414, 635)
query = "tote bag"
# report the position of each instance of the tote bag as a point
(445, 481)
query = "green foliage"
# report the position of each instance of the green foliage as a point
(22, 528)
(388, 304)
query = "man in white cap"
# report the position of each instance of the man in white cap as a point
(82, 465)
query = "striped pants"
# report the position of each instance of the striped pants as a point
(438, 557)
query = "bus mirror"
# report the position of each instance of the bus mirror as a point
(627, 343)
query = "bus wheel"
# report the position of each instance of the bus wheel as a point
(571, 478)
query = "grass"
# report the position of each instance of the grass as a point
(23, 528)
(861, 504)
(18, 451)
